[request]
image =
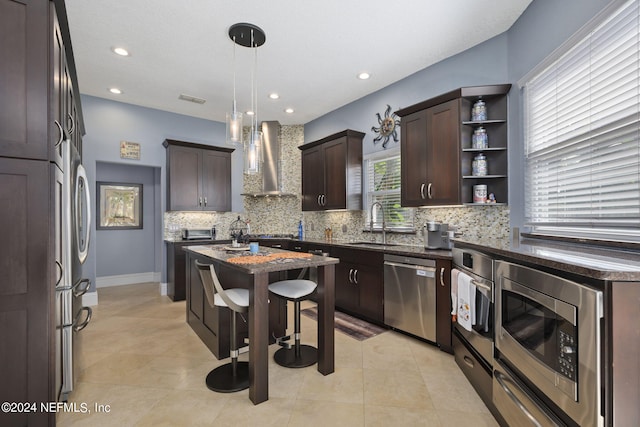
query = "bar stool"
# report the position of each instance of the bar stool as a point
(233, 376)
(298, 355)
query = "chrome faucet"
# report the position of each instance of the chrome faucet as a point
(384, 225)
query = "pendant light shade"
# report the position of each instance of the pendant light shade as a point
(234, 118)
(234, 126)
(249, 35)
(253, 153)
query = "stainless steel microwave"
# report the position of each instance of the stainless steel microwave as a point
(548, 329)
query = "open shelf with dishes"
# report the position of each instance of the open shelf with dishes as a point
(483, 138)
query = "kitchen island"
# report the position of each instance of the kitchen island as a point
(257, 269)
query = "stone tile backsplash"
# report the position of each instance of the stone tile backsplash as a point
(280, 215)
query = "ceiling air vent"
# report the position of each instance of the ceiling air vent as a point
(192, 99)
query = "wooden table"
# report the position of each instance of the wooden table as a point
(259, 307)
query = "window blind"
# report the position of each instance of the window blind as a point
(582, 133)
(383, 186)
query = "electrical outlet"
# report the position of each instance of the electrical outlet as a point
(344, 228)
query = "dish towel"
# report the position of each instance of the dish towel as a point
(454, 294)
(466, 301)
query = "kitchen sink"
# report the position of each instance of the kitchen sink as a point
(372, 244)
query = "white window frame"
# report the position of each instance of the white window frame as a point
(370, 193)
(565, 131)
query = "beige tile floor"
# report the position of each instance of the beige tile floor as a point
(144, 366)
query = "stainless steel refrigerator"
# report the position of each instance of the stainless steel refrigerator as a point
(71, 317)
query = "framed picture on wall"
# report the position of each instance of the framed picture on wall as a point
(119, 206)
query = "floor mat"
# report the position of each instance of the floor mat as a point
(352, 326)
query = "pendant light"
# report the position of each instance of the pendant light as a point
(250, 35)
(234, 118)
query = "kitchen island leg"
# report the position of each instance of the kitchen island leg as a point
(259, 338)
(326, 311)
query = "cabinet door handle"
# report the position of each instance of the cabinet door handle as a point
(199, 201)
(277, 246)
(205, 201)
(351, 275)
(61, 138)
(429, 191)
(355, 276)
(324, 200)
(422, 190)
(73, 123)
(442, 277)
(319, 203)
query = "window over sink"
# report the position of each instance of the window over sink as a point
(582, 132)
(382, 184)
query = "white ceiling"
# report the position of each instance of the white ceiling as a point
(314, 49)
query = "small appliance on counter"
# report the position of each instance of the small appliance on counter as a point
(436, 236)
(198, 233)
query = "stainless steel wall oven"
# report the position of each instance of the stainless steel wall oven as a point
(548, 336)
(473, 345)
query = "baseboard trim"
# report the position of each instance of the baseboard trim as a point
(90, 299)
(127, 279)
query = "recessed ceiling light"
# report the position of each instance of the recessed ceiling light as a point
(120, 51)
(274, 95)
(288, 110)
(364, 76)
(115, 90)
(249, 113)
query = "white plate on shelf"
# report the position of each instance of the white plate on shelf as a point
(238, 248)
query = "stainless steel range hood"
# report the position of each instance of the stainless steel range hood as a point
(271, 171)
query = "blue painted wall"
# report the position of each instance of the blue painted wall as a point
(506, 58)
(109, 122)
(130, 251)
(484, 64)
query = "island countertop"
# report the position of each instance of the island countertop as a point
(278, 259)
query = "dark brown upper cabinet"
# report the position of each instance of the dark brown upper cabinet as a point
(198, 177)
(332, 172)
(436, 151)
(430, 155)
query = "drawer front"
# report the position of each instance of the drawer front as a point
(473, 369)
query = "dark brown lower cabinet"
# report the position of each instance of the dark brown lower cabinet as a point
(212, 324)
(359, 283)
(176, 272)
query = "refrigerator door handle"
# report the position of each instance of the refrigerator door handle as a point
(77, 327)
(61, 270)
(83, 249)
(78, 291)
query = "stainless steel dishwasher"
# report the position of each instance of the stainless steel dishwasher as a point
(410, 295)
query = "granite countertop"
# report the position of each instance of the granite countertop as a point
(392, 248)
(589, 261)
(220, 253)
(181, 240)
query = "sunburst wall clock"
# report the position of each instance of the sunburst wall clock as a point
(388, 127)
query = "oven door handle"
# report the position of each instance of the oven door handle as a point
(481, 285)
(500, 378)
